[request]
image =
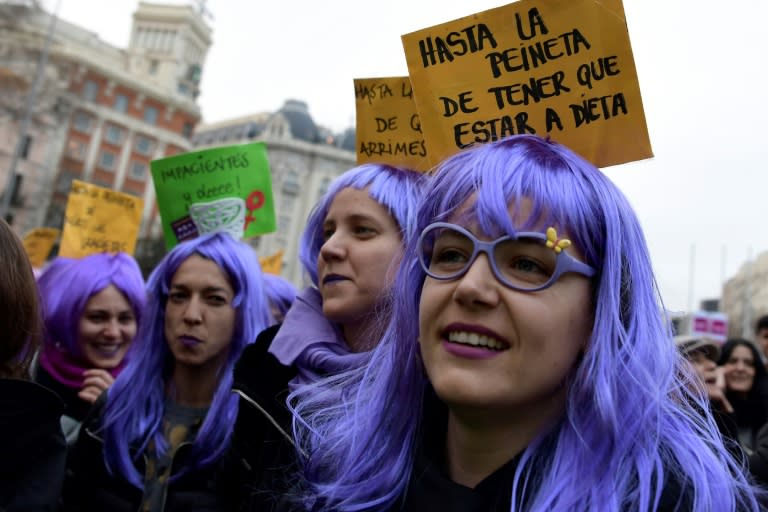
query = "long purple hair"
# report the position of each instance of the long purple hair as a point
(67, 284)
(396, 189)
(631, 421)
(135, 403)
(280, 292)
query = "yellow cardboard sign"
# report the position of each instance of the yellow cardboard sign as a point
(99, 219)
(272, 264)
(388, 126)
(38, 243)
(558, 67)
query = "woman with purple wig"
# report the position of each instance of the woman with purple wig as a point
(281, 293)
(528, 364)
(91, 307)
(156, 441)
(350, 249)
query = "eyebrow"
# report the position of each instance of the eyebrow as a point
(207, 289)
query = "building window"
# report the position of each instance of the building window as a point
(144, 145)
(323, 186)
(64, 183)
(76, 150)
(186, 130)
(152, 67)
(114, 134)
(82, 122)
(121, 103)
(150, 115)
(90, 90)
(55, 216)
(107, 160)
(291, 183)
(138, 171)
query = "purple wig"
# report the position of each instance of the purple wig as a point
(398, 190)
(280, 292)
(135, 403)
(67, 284)
(630, 423)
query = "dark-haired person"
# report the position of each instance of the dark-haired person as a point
(746, 388)
(32, 446)
(761, 337)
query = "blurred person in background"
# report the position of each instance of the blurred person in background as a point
(32, 446)
(761, 337)
(281, 293)
(746, 388)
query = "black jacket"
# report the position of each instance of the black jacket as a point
(758, 461)
(74, 406)
(90, 487)
(32, 447)
(258, 467)
(430, 487)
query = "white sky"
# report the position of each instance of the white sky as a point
(701, 66)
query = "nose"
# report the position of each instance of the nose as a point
(478, 286)
(112, 329)
(333, 248)
(193, 313)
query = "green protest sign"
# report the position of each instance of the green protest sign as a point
(219, 189)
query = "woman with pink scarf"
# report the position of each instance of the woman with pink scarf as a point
(91, 307)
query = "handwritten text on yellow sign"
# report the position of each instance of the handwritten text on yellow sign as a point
(558, 67)
(38, 243)
(99, 219)
(388, 126)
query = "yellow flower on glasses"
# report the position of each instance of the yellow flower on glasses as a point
(555, 244)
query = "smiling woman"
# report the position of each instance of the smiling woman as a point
(91, 307)
(746, 388)
(527, 364)
(155, 442)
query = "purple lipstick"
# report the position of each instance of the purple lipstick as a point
(189, 341)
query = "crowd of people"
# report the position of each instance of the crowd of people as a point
(484, 337)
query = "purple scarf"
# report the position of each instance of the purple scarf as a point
(308, 340)
(68, 369)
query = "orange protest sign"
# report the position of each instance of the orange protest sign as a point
(558, 67)
(388, 126)
(272, 264)
(99, 219)
(38, 243)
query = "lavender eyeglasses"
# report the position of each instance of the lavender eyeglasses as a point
(528, 261)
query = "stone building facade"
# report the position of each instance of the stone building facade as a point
(102, 113)
(745, 297)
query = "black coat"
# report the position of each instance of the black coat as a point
(32, 447)
(90, 487)
(74, 406)
(258, 467)
(430, 487)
